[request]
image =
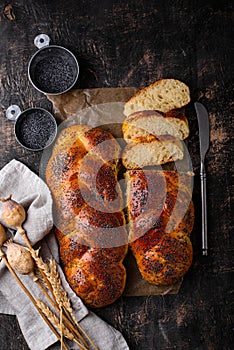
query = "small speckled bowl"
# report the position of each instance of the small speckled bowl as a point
(53, 69)
(35, 128)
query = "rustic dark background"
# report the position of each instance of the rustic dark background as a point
(134, 43)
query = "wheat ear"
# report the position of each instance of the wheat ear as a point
(51, 279)
(62, 298)
(63, 301)
(54, 279)
(53, 283)
(57, 324)
(54, 319)
(30, 296)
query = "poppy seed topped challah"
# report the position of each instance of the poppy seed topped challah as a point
(90, 225)
(161, 216)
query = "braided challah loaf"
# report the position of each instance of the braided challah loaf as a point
(90, 225)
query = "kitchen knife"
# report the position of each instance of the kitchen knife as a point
(204, 139)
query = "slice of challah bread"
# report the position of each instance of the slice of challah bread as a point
(156, 123)
(151, 151)
(163, 95)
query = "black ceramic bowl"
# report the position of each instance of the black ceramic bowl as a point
(35, 129)
(53, 70)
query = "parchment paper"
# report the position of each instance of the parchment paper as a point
(103, 107)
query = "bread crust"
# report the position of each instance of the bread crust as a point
(174, 113)
(133, 121)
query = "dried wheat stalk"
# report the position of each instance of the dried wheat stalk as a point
(52, 277)
(52, 281)
(54, 319)
(64, 331)
(63, 301)
(42, 266)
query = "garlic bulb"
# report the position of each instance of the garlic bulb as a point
(3, 236)
(19, 258)
(13, 213)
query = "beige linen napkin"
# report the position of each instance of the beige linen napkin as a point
(29, 190)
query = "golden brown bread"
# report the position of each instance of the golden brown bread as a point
(144, 123)
(161, 218)
(165, 262)
(90, 226)
(151, 150)
(82, 175)
(163, 95)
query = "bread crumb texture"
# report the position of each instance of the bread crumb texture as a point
(163, 95)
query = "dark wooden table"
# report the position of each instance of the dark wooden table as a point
(134, 43)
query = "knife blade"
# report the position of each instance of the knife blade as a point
(204, 140)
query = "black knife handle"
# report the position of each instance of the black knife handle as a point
(204, 210)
